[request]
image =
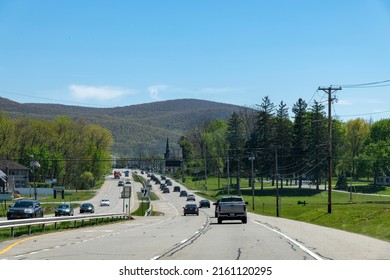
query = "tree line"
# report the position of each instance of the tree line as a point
(72, 152)
(291, 149)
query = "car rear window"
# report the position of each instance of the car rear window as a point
(231, 199)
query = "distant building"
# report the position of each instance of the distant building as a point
(167, 154)
(171, 163)
(383, 181)
(16, 175)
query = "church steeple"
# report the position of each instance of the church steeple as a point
(167, 153)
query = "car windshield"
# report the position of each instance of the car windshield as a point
(63, 206)
(24, 204)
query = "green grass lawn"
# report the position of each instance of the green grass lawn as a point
(365, 214)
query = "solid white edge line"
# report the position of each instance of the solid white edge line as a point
(314, 255)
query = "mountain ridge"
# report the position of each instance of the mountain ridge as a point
(136, 129)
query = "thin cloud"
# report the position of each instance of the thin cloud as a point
(101, 93)
(154, 91)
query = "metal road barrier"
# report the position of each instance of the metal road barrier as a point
(29, 223)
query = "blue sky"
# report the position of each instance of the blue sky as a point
(119, 53)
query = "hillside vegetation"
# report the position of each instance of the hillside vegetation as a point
(136, 129)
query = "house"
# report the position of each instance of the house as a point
(16, 175)
(383, 181)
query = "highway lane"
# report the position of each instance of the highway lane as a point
(172, 236)
(177, 237)
(112, 191)
(109, 190)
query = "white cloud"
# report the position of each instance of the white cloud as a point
(154, 91)
(100, 93)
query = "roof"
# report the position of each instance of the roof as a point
(12, 165)
(3, 177)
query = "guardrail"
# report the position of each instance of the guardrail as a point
(29, 223)
(143, 181)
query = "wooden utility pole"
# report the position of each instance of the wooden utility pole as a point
(329, 90)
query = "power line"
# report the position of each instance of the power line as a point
(370, 84)
(365, 114)
(49, 99)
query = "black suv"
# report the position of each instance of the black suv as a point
(25, 208)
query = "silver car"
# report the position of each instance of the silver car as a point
(105, 202)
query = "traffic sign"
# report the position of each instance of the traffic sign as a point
(145, 192)
(6, 197)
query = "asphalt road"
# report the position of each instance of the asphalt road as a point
(173, 236)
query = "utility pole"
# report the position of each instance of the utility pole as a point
(329, 90)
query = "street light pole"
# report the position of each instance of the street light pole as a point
(252, 158)
(277, 184)
(33, 164)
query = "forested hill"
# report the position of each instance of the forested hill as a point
(136, 129)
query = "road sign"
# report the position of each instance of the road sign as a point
(5, 197)
(145, 192)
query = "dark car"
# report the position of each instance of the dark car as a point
(87, 208)
(25, 208)
(191, 208)
(64, 210)
(166, 190)
(183, 193)
(204, 203)
(191, 197)
(176, 189)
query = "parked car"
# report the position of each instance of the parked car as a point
(64, 209)
(204, 203)
(87, 208)
(183, 193)
(191, 208)
(25, 208)
(191, 197)
(104, 202)
(176, 189)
